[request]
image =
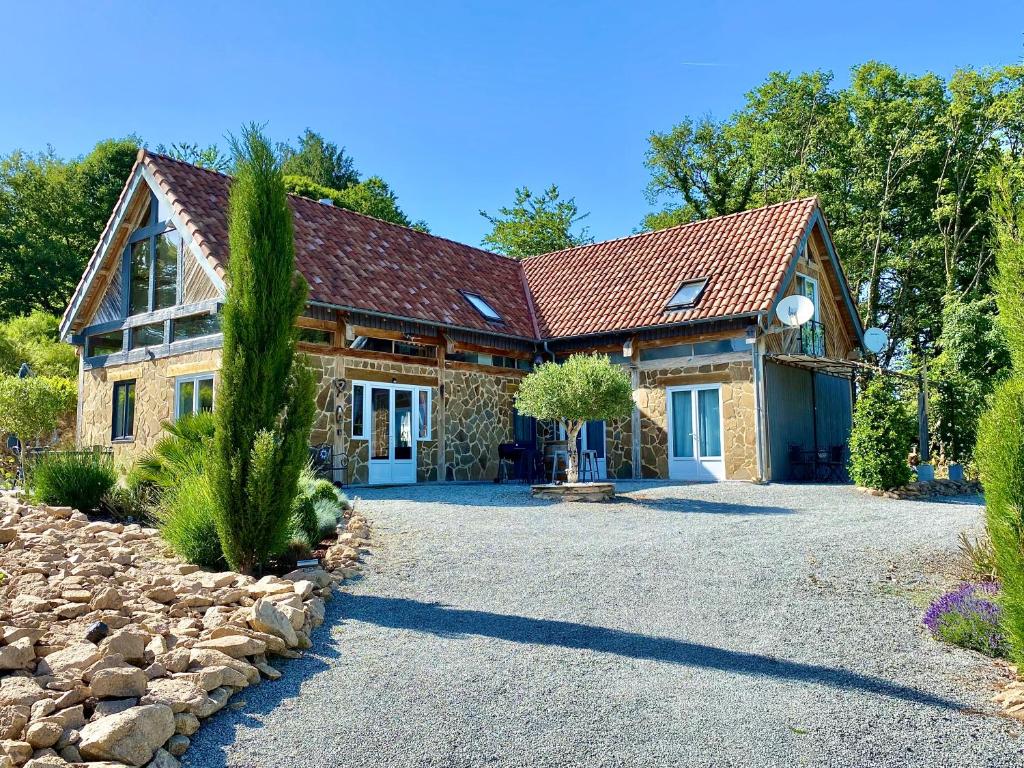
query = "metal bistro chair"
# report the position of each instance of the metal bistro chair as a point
(554, 452)
(799, 459)
(508, 454)
(835, 466)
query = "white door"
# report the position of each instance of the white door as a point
(392, 435)
(695, 433)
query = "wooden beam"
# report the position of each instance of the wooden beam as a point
(367, 354)
(386, 377)
(493, 370)
(461, 346)
(386, 333)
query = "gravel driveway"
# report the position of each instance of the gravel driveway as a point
(685, 625)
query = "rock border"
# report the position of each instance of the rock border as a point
(927, 490)
(112, 651)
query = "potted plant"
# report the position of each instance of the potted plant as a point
(925, 472)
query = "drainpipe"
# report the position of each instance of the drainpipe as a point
(759, 414)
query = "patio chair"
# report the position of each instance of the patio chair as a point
(508, 454)
(799, 459)
(836, 463)
(588, 466)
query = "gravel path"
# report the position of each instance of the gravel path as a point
(700, 625)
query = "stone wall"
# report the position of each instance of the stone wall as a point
(154, 399)
(736, 378)
(479, 418)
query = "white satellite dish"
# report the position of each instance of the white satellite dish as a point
(875, 339)
(795, 310)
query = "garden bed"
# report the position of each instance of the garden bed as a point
(112, 650)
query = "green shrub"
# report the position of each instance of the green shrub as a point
(183, 450)
(316, 510)
(187, 522)
(73, 479)
(129, 504)
(883, 431)
(1000, 456)
(979, 555)
(32, 408)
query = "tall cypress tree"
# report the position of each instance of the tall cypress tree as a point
(265, 406)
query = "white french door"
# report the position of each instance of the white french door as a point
(695, 432)
(393, 431)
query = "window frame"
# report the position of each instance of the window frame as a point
(674, 305)
(483, 307)
(126, 413)
(363, 434)
(417, 391)
(194, 379)
(151, 231)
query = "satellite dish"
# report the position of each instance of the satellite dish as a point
(875, 339)
(795, 310)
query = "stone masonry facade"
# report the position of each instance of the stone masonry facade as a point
(475, 413)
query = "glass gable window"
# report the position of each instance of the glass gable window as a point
(482, 307)
(104, 344)
(123, 421)
(193, 394)
(316, 336)
(152, 264)
(687, 295)
(147, 335)
(194, 326)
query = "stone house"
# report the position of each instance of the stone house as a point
(420, 342)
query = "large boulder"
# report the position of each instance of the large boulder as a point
(268, 617)
(20, 691)
(235, 646)
(18, 655)
(75, 657)
(132, 736)
(118, 683)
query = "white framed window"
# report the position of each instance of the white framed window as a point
(193, 394)
(808, 286)
(359, 409)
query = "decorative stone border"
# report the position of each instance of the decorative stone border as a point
(112, 650)
(588, 492)
(928, 489)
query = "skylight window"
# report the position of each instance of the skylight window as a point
(482, 307)
(688, 295)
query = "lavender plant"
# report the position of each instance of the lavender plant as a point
(969, 617)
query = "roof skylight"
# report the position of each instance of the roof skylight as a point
(482, 307)
(688, 294)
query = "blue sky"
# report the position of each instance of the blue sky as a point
(455, 104)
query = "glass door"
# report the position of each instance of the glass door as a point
(695, 433)
(392, 435)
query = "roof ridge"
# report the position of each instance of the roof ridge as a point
(229, 177)
(684, 225)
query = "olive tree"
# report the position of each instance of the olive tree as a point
(583, 388)
(33, 407)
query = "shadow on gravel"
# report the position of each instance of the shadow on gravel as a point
(210, 744)
(439, 619)
(700, 507)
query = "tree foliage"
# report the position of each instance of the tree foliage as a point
(884, 430)
(583, 388)
(33, 407)
(264, 409)
(372, 197)
(209, 156)
(51, 215)
(898, 161)
(535, 224)
(33, 339)
(318, 160)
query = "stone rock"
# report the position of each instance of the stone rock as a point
(235, 646)
(118, 683)
(270, 585)
(129, 642)
(176, 660)
(13, 720)
(268, 671)
(164, 759)
(20, 654)
(69, 718)
(185, 723)
(177, 694)
(215, 701)
(207, 657)
(106, 599)
(18, 751)
(267, 617)
(43, 735)
(23, 691)
(113, 706)
(96, 632)
(7, 535)
(47, 761)
(132, 736)
(161, 594)
(75, 657)
(178, 744)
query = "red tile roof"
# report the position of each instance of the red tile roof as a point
(359, 262)
(625, 284)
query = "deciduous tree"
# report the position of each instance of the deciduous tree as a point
(535, 224)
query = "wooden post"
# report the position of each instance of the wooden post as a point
(634, 417)
(442, 452)
(922, 410)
